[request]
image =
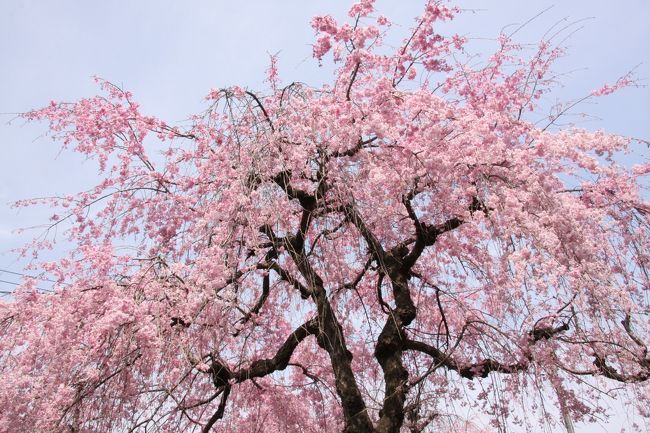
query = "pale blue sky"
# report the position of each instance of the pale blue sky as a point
(170, 53)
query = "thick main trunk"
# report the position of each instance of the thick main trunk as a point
(388, 352)
(332, 340)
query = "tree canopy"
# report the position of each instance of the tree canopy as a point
(357, 257)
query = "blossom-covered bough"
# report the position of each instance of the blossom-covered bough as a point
(359, 257)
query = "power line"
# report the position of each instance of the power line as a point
(6, 292)
(10, 282)
(11, 272)
(31, 276)
(13, 283)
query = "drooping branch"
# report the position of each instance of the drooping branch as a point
(352, 78)
(261, 107)
(219, 412)
(375, 246)
(222, 375)
(626, 322)
(286, 276)
(266, 283)
(353, 150)
(468, 371)
(306, 200)
(612, 373)
(426, 235)
(486, 366)
(280, 360)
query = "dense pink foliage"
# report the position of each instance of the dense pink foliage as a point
(442, 245)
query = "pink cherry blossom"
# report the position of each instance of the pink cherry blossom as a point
(358, 257)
